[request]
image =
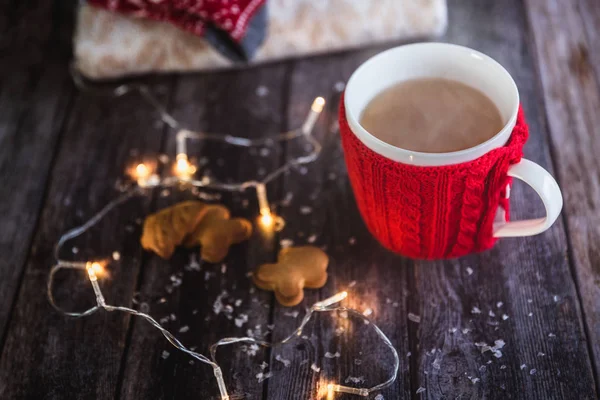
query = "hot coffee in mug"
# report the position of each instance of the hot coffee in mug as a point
(433, 135)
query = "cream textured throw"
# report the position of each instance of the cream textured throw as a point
(109, 45)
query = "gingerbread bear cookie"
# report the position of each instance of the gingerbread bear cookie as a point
(194, 223)
(216, 232)
(296, 268)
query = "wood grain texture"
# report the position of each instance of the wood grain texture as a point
(566, 45)
(50, 356)
(322, 212)
(520, 292)
(34, 99)
(208, 103)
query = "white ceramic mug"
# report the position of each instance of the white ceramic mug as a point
(441, 60)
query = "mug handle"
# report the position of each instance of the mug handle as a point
(546, 187)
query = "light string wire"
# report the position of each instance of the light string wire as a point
(184, 171)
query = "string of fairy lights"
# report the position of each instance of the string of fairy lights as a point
(183, 175)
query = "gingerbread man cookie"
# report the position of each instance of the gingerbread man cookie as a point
(194, 223)
(296, 268)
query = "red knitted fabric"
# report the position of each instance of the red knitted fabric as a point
(431, 212)
(231, 16)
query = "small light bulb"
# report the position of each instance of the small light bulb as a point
(266, 220)
(142, 171)
(95, 270)
(183, 168)
(318, 104)
(330, 393)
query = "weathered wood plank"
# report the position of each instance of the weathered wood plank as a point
(243, 103)
(523, 287)
(566, 45)
(322, 210)
(47, 355)
(34, 101)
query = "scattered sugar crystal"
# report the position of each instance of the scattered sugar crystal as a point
(503, 367)
(271, 327)
(437, 363)
(355, 379)
(452, 330)
(379, 397)
(333, 355)
(75, 250)
(163, 158)
(286, 363)
(491, 314)
(556, 298)
(352, 241)
(264, 151)
(414, 318)
(395, 304)
(529, 301)
(194, 311)
(238, 302)
(262, 91)
(474, 380)
(469, 270)
(165, 354)
(357, 361)
(504, 317)
(164, 320)
(489, 362)
(465, 331)
(315, 368)
(263, 376)
(305, 210)
(532, 371)
(264, 365)
(165, 193)
(293, 314)
(162, 300)
(241, 320)
(352, 284)
(530, 314)
(332, 176)
(421, 389)
(551, 335)
(252, 349)
(218, 304)
(145, 307)
(408, 354)
(184, 329)
(286, 243)
(482, 368)
(475, 310)
(312, 238)
(523, 366)
(540, 354)
(499, 304)
(339, 86)
(339, 331)
(223, 268)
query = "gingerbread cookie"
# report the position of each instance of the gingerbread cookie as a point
(296, 268)
(193, 223)
(216, 233)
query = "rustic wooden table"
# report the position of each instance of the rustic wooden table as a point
(61, 152)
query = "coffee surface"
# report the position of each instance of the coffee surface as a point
(432, 115)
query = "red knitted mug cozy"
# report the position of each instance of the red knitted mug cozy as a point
(431, 212)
